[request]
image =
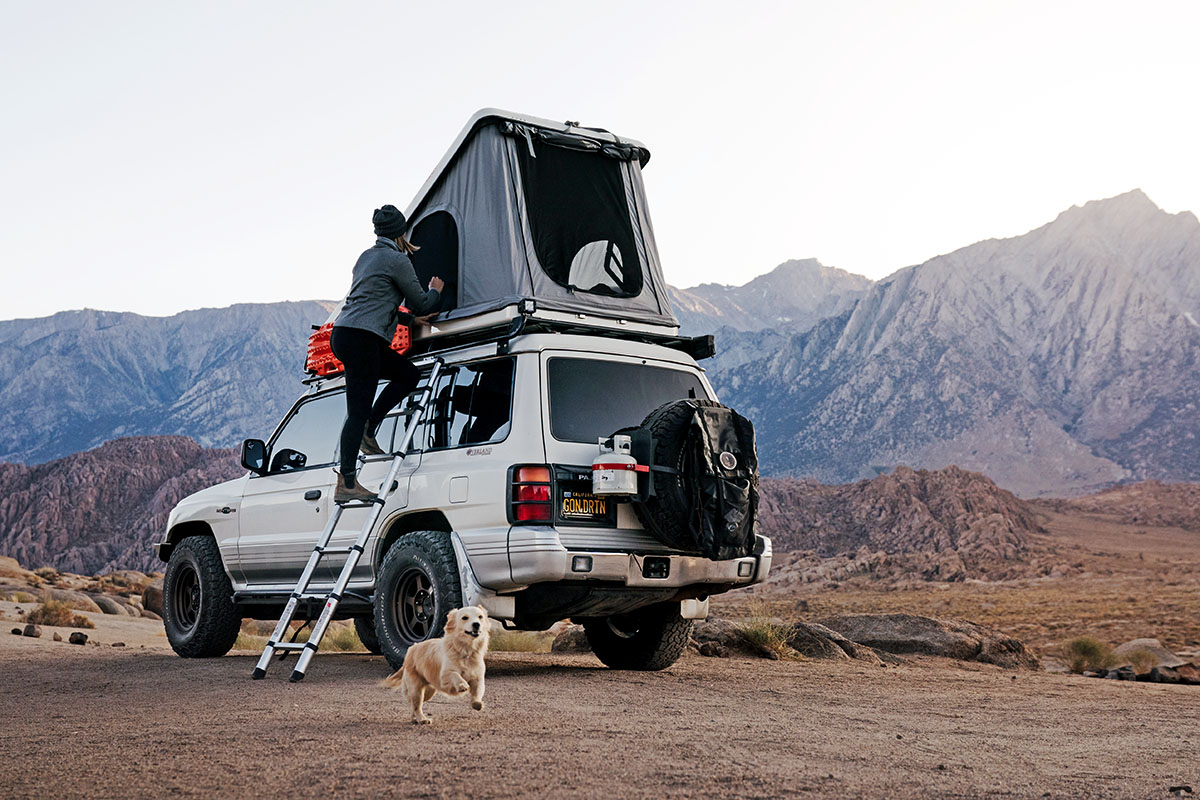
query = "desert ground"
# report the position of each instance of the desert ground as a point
(1108, 579)
(134, 720)
(99, 721)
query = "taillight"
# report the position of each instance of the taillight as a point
(529, 494)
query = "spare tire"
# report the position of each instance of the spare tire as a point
(703, 479)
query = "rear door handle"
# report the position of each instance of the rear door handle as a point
(312, 494)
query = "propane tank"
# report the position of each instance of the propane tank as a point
(614, 471)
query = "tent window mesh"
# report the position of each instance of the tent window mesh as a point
(579, 219)
(437, 236)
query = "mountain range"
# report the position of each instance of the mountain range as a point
(1055, 362)
(77, 379)
(796, 295)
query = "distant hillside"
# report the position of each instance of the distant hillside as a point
(795, 295)
(102, 509)
(946, 524)
(1151, 503)
(74, 380)
(1057, 362)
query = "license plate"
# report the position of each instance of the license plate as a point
(581, 505)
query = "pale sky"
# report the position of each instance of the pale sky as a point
(158, 156)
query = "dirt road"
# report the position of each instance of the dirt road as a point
(103, 722)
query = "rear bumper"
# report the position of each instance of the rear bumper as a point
(536, 555)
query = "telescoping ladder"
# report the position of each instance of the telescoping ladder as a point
(417, 401)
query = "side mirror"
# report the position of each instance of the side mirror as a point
(288, 459)
(254, 455)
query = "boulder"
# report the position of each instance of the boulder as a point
(108, 605)
(713, 650)
(33, 631)
(16, 631)
(77, 638)
(817, 641)
(76, 600)
(152, 596)
(1152, 646)
(571, 640)
(57, 636)
(910, 633)
(150, 615)
(1125, 673)
(1188, 673)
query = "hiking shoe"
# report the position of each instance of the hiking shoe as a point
(359, 494)
(369, 446)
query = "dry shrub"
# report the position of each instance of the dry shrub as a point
(248, 641)
(46, 573)
(24, 597)
(339, 637)
(520, 641)
(1086, 653)
(767, 633)
(1141, 660)
(60, 615)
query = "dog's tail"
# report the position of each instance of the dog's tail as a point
(393, 681)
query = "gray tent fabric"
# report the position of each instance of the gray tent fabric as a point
(482, 186)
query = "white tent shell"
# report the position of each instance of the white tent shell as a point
(522, 208)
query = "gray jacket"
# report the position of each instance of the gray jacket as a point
(384, 279)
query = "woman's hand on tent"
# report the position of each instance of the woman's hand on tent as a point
(436, 283)
(425, 321)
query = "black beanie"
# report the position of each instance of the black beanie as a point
(389, 222)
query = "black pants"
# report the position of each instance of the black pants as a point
(368, 358)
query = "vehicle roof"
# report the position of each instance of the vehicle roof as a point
(541, 342)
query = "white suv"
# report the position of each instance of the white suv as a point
(494, 504)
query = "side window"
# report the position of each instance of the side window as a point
(472, 404)
(313, 430)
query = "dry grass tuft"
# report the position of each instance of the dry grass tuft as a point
(767, 633)
(1086, 653)
(340, 637)
(1141, 660)
(520, 641)
(58, 615)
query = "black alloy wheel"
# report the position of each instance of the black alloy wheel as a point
(417, 586)
(199, 615)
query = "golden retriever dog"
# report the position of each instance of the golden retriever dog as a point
(451, 665)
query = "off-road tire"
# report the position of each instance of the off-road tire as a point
(199, 615)
(666, 515)
(365, 628)
(651, 638)
(400, 622)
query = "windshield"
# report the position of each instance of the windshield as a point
(591, 398)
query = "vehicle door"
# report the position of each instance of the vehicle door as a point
(284, 510)
(465, 438)
(372, 470)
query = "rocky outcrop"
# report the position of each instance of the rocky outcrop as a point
(912, 634)
(944, 525)
(1057, 362)
(101, 510)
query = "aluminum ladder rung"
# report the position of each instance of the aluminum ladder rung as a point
(331, 598)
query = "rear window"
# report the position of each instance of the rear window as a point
(590, 399)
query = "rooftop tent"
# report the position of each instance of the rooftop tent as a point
(527, 208)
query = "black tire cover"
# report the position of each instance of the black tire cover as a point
(704, 479)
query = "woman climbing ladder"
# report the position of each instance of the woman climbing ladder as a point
(384, 279)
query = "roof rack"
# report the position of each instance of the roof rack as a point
(698, 347)
(501, 335)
